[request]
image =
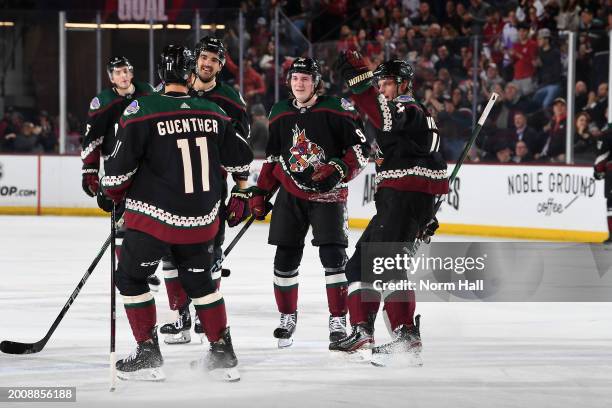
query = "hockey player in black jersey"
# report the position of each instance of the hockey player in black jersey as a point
(603, 171)
(209, 53)
(166, 164)
(316, 146)
(409, 173)
(99, 139)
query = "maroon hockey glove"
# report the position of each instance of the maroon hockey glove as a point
(90, 182)
(257, 203)
(354, 71)
(327, 176)
(238, 206)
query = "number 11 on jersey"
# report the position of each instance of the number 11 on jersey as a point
(183, 145)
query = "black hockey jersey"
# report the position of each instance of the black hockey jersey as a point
(408, 157)
(234, 105)
(603, 162)
(104, 111)
(302, 139)
(167, 162)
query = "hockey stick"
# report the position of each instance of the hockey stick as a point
(466, 150)
(113, 314)
(217, 265)
(13, 347)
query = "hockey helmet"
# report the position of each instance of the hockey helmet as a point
(399, 69)
(304, 65)
(211, 44)
(175, 65)
(118, 61)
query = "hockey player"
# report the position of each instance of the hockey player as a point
(315, 147)
(603, 171)
(409, 173)
(99, 138)
(209, 53)
(167, 164)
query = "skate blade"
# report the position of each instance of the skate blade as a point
(362, 355)
(225, 374)
(145, 374)
(406, 359)
(179, 338)
(284, 343)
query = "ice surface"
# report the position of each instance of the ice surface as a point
(475, 354)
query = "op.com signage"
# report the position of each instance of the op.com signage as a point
(15, 180)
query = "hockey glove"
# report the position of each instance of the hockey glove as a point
(430, 230)
(90, 182)
(354, 71)
(238, 206)
(105, 203)
(326, 177)
(258, 205)
(599, 175)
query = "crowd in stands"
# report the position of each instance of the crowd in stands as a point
(462, 51)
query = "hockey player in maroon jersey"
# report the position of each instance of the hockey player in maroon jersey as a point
(316, 146)
(603, 171)
(99, 139)
(210, 53)
(167, 165)
(409, 173)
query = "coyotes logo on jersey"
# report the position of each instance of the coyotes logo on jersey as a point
(304, 153)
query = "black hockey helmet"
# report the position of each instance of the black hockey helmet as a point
(304, 65)
(399, 69)
(118, 61)
(175, 65)
(211, 44)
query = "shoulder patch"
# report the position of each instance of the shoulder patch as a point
(94, 104)
(159, 88)
(132, 108)
(346, 104)
(405, 98)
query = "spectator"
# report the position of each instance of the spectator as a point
(503, 153)
(554, 148)
(585, 143)
(447, 61)
(580, 102)
(411, 7)
(523, 9)
(549, 70)
(477, 15)
(261, 35)
(25, 141)
(524, 53)
(569, 17)
(493, 28)
(254, 86)
(598, 104)
(259, 130)
(522, 153)
(13, 127)
(512, 102)
(524, 133)
(490, 78)
(47, 140)
(424, 19)
(347, 41)
(510, 31)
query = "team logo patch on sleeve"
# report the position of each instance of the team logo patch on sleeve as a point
(159, 88)
(94, 104)
(132, 108)
(405, 98)
(346, 104)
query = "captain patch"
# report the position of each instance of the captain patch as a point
(132, 108)
(94, 104)
(346, 104)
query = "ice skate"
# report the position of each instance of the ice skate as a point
(404, 350)
(178, 332)
(153, 282)
(286, 328)
(144, 364)
(357, 345)
(220, 362)
(337, 328)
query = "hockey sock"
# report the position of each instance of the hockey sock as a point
(399, 308)
(211, 311)
(610, 224)
(177, 298)
(333, 258)
(286, 290)
(141, 314)
(363, 300)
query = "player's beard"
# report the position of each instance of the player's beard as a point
(206, 80)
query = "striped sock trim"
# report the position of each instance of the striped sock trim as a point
(208, 301)
(171, 274)
(143, 300)
(335, 280)
(360, 286)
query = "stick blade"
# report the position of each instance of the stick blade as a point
(13, 347)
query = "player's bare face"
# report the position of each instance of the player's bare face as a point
(122, 78)
(208, 66)
(388, 88)
(302, 86)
